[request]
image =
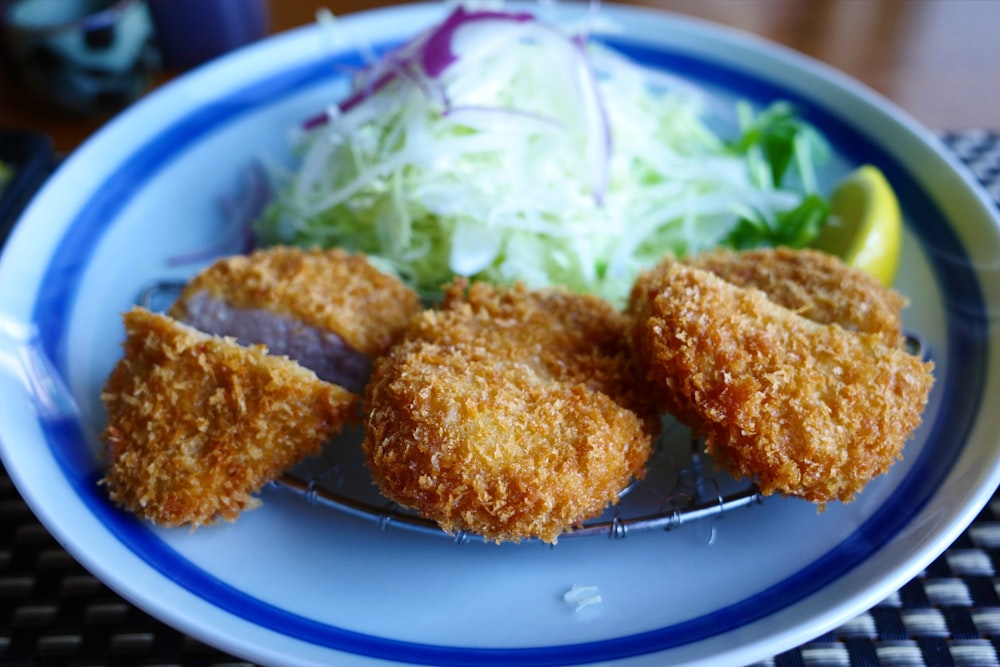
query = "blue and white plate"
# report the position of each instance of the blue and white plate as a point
(292, 583)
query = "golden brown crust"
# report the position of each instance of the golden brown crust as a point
(803, 408)
(815, 285)
(332, 290)
(197, 424)
(508, 413)
(568, 337)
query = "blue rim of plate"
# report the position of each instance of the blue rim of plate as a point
(966, 352)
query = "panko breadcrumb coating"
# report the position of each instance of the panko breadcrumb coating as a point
(803, 408)
(509, 413)
(329, 289)
(330, 310)
(814, 284)
(197, 424)
(568, 337)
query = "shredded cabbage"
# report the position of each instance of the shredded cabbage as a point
(499, 147)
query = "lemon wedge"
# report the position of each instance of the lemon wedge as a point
(866, 227)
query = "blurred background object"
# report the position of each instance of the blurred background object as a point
(26, 160)
(190, 32)
(80, 56)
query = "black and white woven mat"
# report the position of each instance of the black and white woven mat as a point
(53, 612)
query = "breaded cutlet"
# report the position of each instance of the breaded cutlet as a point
(803, 408)
(197, 424)
(814, 284)
(568, 337)
(509, 413)
(330, 310)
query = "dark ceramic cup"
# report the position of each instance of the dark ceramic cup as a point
(82, 56)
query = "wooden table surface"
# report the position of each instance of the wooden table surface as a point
(937, 59)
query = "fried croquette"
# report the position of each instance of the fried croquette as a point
(509, 413)
(331, 311)
(803, 408)
(814, 284)
(197, 424)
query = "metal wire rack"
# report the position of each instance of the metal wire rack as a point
(671, 495)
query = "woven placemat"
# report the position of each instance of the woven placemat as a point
(53, 612)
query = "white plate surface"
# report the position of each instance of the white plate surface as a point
(292, 583)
